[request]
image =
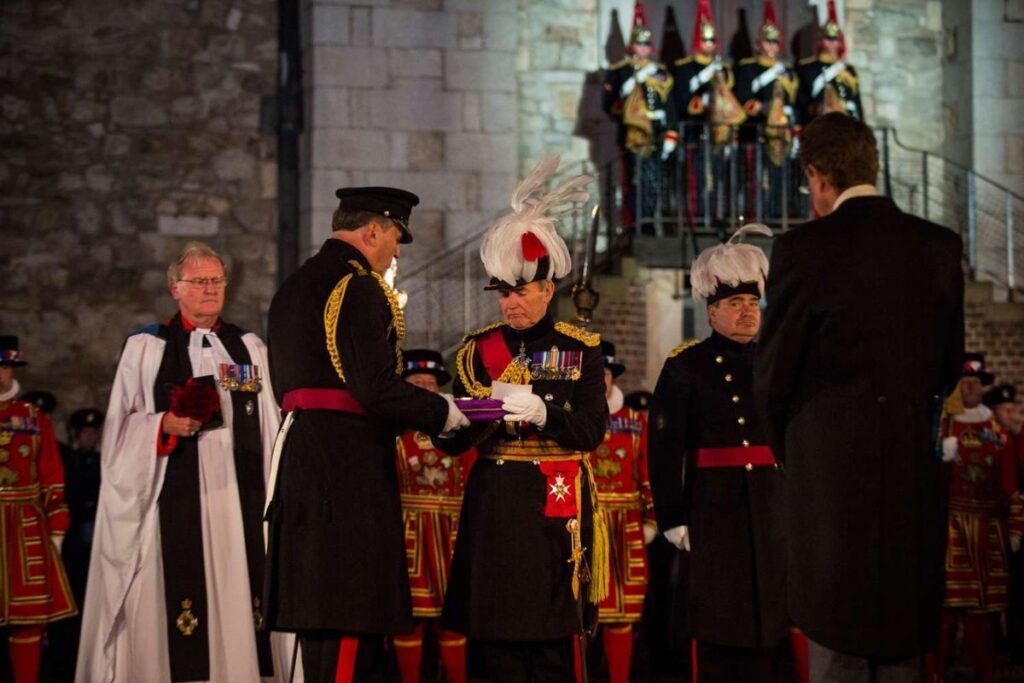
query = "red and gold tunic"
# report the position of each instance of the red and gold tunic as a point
(431, 484)
(624, 495)
(984, 506)
(33, 586)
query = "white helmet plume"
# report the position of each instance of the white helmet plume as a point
(731, 264)
(524, 246)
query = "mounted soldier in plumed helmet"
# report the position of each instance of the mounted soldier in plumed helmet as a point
(827, 82)
(637, 95)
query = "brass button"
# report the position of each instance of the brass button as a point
(741, 420)
(535, 461)
(735, 399)
(499, 462)
(746, 444)
(728, 378)
(719, 360)
(748, 467)
(549, 397)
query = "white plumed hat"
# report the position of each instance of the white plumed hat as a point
(523, 246)
(732, 268)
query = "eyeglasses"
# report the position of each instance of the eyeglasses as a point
(204, 282)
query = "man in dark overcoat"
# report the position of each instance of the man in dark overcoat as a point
(862, 338)
(336, 565)
(717, 486)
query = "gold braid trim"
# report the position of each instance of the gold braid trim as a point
(516, 373)
(464, 366)
(331, 311)
(397, 319)
(682, 347)
(578, 333)
(600, 558)
(480, 330)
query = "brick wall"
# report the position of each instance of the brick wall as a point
(997, 329)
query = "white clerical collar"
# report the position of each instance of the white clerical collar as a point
(615, 401)
(979, 413)
(855, 191)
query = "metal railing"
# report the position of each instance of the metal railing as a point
(446, 294)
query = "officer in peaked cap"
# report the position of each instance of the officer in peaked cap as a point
(389, 202)
(334, 330)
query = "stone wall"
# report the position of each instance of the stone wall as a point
(128, 129)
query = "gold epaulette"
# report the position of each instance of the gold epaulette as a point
(480, 330)
(578, 333)
(747, 60)
(808, 60)
(684, 60)
(690, 343)
(332, 310)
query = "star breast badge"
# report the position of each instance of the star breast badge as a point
(559, 489)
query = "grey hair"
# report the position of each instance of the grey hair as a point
(193, 251)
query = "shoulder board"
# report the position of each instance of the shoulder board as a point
(807, 60)
(358, 267)
(481, 330)
(747, 60)
(578, 333)
(152, 329)
(688, 344)
(619, 64)
(684, 60)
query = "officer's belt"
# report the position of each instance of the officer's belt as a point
(619, 501)
(19, 494)
(527, 450)
(419, 502)
(735, 456)
(322, 399)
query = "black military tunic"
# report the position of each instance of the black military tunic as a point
(336, 556)
(756, 78)
(693, 90)
(815, 74)
(703, 408)
(510, 577)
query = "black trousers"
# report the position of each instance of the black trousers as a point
(725, 664)
(544, 661)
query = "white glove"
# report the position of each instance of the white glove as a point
(1014, 544)
(667, 148)
(525, 407)
(58, 541)
(650, 533)
(950, 448)
(679, 536)
(456, 420)
(639, 77)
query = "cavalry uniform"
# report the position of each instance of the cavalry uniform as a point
(516, 571)
(819, 78)
(637, 95)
